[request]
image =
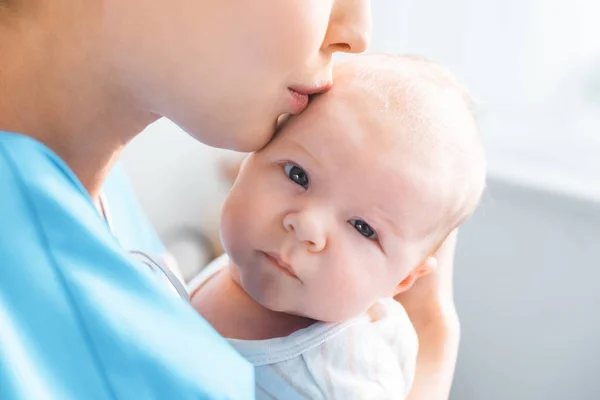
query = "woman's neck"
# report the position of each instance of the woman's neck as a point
(57, 88)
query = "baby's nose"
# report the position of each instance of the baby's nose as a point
(307, 228)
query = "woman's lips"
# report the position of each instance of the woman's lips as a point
(274, 259)
(299, 101)
(300, 96)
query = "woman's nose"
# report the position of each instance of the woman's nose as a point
(349, 28)
(307, 228)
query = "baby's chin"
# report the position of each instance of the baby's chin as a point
(316, 311)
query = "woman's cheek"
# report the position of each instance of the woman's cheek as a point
(307, 23)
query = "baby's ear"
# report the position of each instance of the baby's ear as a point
(429, 265)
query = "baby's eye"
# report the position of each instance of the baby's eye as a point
(296, 174)
(364, 229)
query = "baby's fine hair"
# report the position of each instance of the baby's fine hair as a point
(403, 78)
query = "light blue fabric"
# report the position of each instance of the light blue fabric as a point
(77, 319)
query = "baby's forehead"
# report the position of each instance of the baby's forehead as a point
(377, 116)
(346, 123)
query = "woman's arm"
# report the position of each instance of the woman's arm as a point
(430, 306)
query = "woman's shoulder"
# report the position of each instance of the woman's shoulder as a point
(40, 193)
(28, 163)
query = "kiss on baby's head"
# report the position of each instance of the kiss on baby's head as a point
(350, 201)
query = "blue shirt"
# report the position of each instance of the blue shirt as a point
(79, 320)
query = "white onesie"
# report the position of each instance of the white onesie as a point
(363, 358)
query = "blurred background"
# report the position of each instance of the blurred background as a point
(527, 268)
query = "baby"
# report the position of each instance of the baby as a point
(341, 211)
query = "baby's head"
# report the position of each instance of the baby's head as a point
(351, 199)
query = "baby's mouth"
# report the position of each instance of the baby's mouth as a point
(276, 260)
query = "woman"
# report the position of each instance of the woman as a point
(78, 80)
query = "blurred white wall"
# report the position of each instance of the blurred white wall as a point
(527, 274)
(533, 66)
(175, 177)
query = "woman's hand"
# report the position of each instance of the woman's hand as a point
(430, 306)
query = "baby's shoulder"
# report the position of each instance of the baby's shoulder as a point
(383, 330)
(211, 297)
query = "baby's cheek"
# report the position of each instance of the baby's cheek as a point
(236, 226)
(342, 289)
